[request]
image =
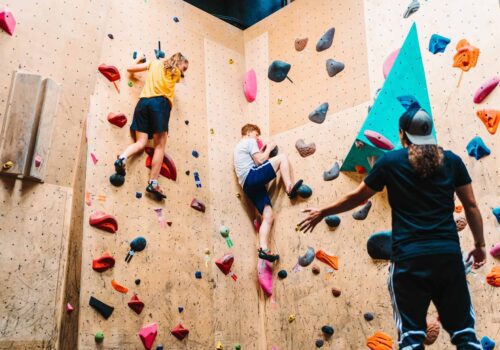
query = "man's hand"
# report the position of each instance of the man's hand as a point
(479, 257)
(314, 217)
(270, 146)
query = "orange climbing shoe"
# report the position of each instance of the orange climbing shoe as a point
(490, 119)
(266, 255)
(328, 259)
(379, 341)
(156, 192)
(493, 278)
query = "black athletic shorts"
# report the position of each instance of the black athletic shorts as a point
(151, 115)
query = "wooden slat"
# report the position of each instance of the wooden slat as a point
(20, 121)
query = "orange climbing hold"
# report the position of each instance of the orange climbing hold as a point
(458, 208)
(118, 287)
(380, 341)
(328, 259)
(466, 56)
(493, 278)
(490, 118)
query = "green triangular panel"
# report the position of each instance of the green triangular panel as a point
(406, 78)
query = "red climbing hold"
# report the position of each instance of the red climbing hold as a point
(179, 332)
(103, 263)
(197, 205)
(7, 22)
(135, 304)
(379, 140)
(490, 119)
(111, 73)
(360, 169)
(117, 119)
(486, 89)
(168, 168)
(148, 335)
(103, 221)
(225, 263)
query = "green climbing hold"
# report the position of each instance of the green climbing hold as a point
(304, 191)
(237, 347)
(99, 337)
(224, 231)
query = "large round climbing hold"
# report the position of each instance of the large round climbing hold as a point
(368, 316)
(379, 245)
(282, 274)
(99, 337)
(117, 180)
(332, 220)
(138, 244)
(278, 71)
(304, 191)
(334, 67)
(327, 330)
(326, 40)
(320, 343)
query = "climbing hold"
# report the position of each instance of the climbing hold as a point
(327, 330)
(179, 332)
(130, 83)
(282, 274)
(197, 205)
(408, 101)
(304, 191)
(148, 334)
(486, 89)
(7, 22)
(219, 346)
(459, 208)
(493, 278)
(477, 149)
(319, 343)
(69, 308)
(180, 309)
(103, 221)
(102, 308)
(195, 154)
(7, 165)
(490, 119)
(99, 337)
(334, 67)
(278, 71)
(38, 161)
(291, 318)
(137, 281)
(319, 114)
(412, 8)
(197, 180)
(389, 62)
(224, 263)
(368, 316)
(197, 274)
(316, 270)
(186, 122)
(230, 61)
(359, 144)
(495, 251)
(135, 304)
(362, 213)
(433, 329)
(305, 149)
(118, 287)
(496, 213)
(224, 232)
(487, 343)
(307, 258)
(380, 341)
(168, 168)
(332, 220)
(379, 245)
(378, 140)
(274, 152)
(118, 119)
(117, 180)
(336, 292)
(438, 43)
(333, 173)
(111, 73)
(137, 245)
(237, 347)
(326, 40)
(250, 85)
(300, 44)
(138, 195)
(460, 222)
(111, 36)
(103, 263)
(159, 347)
(328, 259)
(466, 56)
(158, 52)
(279, 101)
(265, 276)
(360, 169)
(176, 20)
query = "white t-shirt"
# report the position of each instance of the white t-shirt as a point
(243, 160)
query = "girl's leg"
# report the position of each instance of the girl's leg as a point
(160, 141)
(137, 146)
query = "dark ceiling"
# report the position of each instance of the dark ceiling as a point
(240, 13)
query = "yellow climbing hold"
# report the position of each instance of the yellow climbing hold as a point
(231, 61)
(280, 100)
(212, 131)
(219, 346)
(291, 318)
(7, 165)
(238, 195)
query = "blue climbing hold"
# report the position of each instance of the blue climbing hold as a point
(407, 101)
(487, 343)
(332, 220)
(197, 274)
(282, 274)
(304, 191)
(368, 316)
(138, 195)
(159, 347)
(176, 20)
(327, 330)
(278, 71)
(477, 149)
(195, 154)
(496, 212)
(438, 43)
(379, 245)
(138, 244)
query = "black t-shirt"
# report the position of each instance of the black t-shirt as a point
(422, 209)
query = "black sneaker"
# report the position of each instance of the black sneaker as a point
(295, 188)
(155, 192)
(268, 256)
(120, 167)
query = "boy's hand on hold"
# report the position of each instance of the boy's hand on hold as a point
(270, 146)
(478, 255)
(312, 219)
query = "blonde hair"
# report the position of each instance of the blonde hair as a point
(172, 63)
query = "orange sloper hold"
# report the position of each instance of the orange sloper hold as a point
(379, 341)
(493, 278)
(328, 259)
(118, 287)
(466, 56)
(490, 118)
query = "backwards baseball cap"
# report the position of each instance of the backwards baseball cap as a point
(417, 125)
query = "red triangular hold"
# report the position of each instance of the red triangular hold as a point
(179, 332)
(7, 22)
(197, 205)
(224, 263)
(110, 72)
(135, 304)
(117, 119)
(148, 335)
(168, 168)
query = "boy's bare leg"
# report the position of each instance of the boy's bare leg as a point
(265, 227)
(281, 163)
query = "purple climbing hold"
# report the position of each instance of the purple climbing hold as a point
(477, 149)
(362, 213)
(180, 309)
(438, 43)
(326, 40)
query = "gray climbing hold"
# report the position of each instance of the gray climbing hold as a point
(304, 191)
(326, 40)
(307, 258)
(334, 67)
(368, 316)
(332, 220)
(333, 173)
(278, 71)
(412, 8)
(319, 114)
(362, 213)
(379, 245)
(300, 44)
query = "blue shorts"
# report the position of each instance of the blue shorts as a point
(151, 115)
(255, 185)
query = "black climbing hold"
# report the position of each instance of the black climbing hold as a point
(334, 67)
(111, 36)
(326, 40)
(282, 274)
(188, 172)
(138, 195)
(197, 274)
(320, 343)
(159, 347)
(180, 309)
(319, 114)
(278, 71)
(333, 173)
(102, 308)
(138, 281)
(274, 152)
(368, 316)
(176, 20)
(327, 330)
(186, 122)
(304, 191)
(332, 220)
(195, 154)
(379, 245)
(117, 180)
(362, 213)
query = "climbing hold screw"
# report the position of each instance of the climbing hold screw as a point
(138, 281)
(111, 36)
(282, 274)
(368, 316)
(176, 20)
(315, 270)
(197, 274)
(291, 318)
(99, 337)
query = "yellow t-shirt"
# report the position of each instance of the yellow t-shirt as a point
(159, 82)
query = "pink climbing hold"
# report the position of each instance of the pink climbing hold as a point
(250, 85)
(69, 308)
(148, 335)
(7, 21)
(265, 274)
(389, 62)
(38, 161)
(486, 89)
(378, 140)
(495, 251)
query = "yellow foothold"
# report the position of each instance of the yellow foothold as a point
(238, 195)
(7, 165)
(280, 101)
(212, 131)
(297, 228)
(231, 61)
(291, 318)
(207, 251)
(219, 346)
